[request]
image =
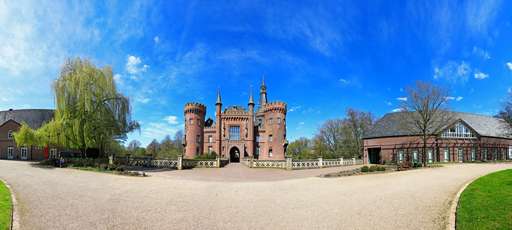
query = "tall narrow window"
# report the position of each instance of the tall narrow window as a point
(234, 132)
(257, 151)
(197, 151)
(10, 152)
(415, 155)
(198, 122)
(9, 134)
(473, 154)
(504, 154)
(485, 153)
(210, 139)
(430, 152)
(400, 155)
(270, 120)
(446, 154)
(278, 120)
(461, 155)
(270, 138)
(210, 149)
(270, 152)
(53, 153)
(495, 154)
(24, 153)
(257, 138)
(198, 138)
(191, 121)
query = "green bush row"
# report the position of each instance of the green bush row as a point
(373, 168)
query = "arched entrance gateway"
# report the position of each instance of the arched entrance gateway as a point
(234, 155)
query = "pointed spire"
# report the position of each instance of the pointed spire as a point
(251, 100)
(263, 84)
(218, 98)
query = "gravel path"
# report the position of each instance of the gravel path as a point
(71, 199)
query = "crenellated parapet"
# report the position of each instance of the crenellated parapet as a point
(275, 107)
(235, 113)
(195, 107)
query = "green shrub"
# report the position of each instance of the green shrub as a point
(420, 164)
(365, 169)
(212, 155)
(381, 168)
(119, 169)
(373, 168)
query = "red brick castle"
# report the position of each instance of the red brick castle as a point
(237, 133)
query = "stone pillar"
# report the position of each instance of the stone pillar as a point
(341, 161)
(111, 159)
(251, 161)
(180, 161)
(289, 164)
(354, 160)
(148, 164)
(218, 161)
(320, 164)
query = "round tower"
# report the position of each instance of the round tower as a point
(275, 125)
(194, 126)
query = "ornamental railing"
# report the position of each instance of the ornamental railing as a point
(173, 163)
(299, 164)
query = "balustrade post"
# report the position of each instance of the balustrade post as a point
(148, 164)
(354, 160)
(110, 159)
(218, 161)
(341, 161)
(180, 161)
(251, 160)
(320, 163)
(289, 165)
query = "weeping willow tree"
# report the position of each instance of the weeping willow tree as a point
(89, 110)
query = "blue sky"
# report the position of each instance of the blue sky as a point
(320, 57)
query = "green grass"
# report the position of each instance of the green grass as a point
(5, 207)
(487, 203)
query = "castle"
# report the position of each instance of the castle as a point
(237, 133)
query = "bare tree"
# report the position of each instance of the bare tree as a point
(426, 111)
(359, 124)
(330, 135)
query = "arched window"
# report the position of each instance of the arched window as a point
(270, 152)
(9, 134)
(197, 151)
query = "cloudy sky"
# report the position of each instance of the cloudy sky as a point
(320, 57)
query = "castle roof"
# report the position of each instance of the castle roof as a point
(388, 125)
(218, 99)
(235, 108)
(33, 117)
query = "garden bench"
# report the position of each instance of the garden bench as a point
(402, 165)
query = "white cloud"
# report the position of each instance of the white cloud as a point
(401, 90)
(458, 98)
(143, 100)
(132, 65)
(389, 103)
(450, 98)
(156, 130)
(509, 64)
(156, 39)
(344, 81)
(402, 98)
(117, 78)
(481, 75)
(396, 110)
(171, 119)
(481, 52)
(302, 123)
(294, 108)
(453, 71)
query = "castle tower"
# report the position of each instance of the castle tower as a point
(250, 136)
(194, 125)
(275, 126)
(262, 102)
(218, 137)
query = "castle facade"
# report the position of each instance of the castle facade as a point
(237, 133)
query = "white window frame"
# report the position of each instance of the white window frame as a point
(198, 122)
(459, 130)
(10, 152)
(495, 154)
(460, 154)
(400, 155)
(270, 138)
(9, 134)
(197, 151)
(270, 120)
(485, 153)
(446, 155)
(430, 152)
(191, 121)
(198, 138)
(257, 151)
(209, 139)
(210, 149)
(278, 120)
(24, 153)
(270, 152)
(53, 153)
(473, 154)
(415, 155)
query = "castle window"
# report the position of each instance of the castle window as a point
(270, 152)
(197, 151)
(191, 121)
(198, 138)
(9, 134)
(210, 149)
(198, 122)
(270, 120)
(270, 138)
(257, 138)
(234, 132)
(257, 151)
(210, 139)
(278, 120)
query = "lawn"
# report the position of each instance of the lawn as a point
(487, 203)
(5, 207)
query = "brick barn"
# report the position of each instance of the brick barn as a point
(236, 132)
(471, 137)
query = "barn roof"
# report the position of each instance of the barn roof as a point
(33, 117)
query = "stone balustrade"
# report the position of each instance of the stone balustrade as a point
(179, 163)
(290, 164)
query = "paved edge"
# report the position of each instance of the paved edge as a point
(452, 223)
(15, 215)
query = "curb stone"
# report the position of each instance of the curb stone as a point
(452, 222)
(15, 216)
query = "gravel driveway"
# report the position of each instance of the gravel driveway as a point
(55, 198)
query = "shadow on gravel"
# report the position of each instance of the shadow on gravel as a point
(150, 170)
(48, 167)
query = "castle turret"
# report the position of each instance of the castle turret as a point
(194, 125)
(262, 102)
(250, 130)
(218, 133)
(275, 126)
